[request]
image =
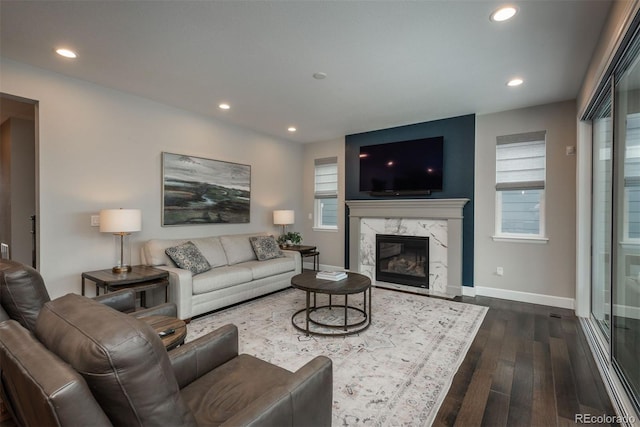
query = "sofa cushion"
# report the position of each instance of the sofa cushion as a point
(121, 358)
(221, 277)
(22, 292)
(238, 248)
(188, 257)
(212, 250)
(272, 267)
(265, 247)
(154, 251)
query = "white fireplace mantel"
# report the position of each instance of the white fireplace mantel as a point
(449, 210)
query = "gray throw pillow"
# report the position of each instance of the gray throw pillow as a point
(265, 247)
(188, 257)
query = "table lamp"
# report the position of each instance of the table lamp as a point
(283, 218)
(121, 223)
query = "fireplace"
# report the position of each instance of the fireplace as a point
(402, 259)
(438, 219)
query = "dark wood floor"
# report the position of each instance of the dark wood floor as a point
(529, 365)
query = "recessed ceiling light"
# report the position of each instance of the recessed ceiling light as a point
(291, 129)
(319, 75)
(503, 14)
(224, 106)
(66, 53)
(515, 82)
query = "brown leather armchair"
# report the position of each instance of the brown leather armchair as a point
(23, 293)
(88, 364)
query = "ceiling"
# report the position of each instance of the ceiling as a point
(388, 63)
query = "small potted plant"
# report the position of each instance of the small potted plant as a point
(290, 238)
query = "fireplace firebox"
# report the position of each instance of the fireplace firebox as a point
(402, 259)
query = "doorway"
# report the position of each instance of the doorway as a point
(18, 183)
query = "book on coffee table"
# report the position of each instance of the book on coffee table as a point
(331, 275)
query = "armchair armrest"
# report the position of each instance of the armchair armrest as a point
(309, 395)
(195, 358)
(123, 300)
(312, 392)
(166, 309)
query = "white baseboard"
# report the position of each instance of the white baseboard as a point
(541, 299)
(468, 291)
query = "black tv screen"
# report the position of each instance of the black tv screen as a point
(402, 167)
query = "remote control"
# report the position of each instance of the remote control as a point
(167, 332)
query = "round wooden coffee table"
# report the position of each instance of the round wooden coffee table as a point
(167, 323)
(354, 284)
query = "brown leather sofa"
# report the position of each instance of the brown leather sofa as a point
(23, 293)
(87, 364)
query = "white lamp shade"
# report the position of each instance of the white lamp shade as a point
(120, 220)
(284, 217)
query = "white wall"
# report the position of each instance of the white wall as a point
(330, 243)
(533, 272)
(100, 148)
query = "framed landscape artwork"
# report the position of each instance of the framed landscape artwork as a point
(204, 191)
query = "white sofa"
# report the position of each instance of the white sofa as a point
(236, 274)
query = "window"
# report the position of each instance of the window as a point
(326, 193)
(615, 222)
(601, 208)
(520, 182)
(625, 282)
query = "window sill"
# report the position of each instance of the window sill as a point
(521, 239)
(331, 230)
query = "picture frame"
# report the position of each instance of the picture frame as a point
(197, 190)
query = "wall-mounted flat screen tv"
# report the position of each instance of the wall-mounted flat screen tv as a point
(402, 168)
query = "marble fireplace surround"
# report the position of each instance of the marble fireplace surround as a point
(440, 219)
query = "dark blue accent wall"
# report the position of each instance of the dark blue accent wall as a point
(458, 180)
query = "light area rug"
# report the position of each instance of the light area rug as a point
(397, 372)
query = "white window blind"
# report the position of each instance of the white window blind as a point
(520, 183)
(520, 161)
(326, 193)
(326, 180)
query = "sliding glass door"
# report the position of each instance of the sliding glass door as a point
(626, 229)
(601, 216)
